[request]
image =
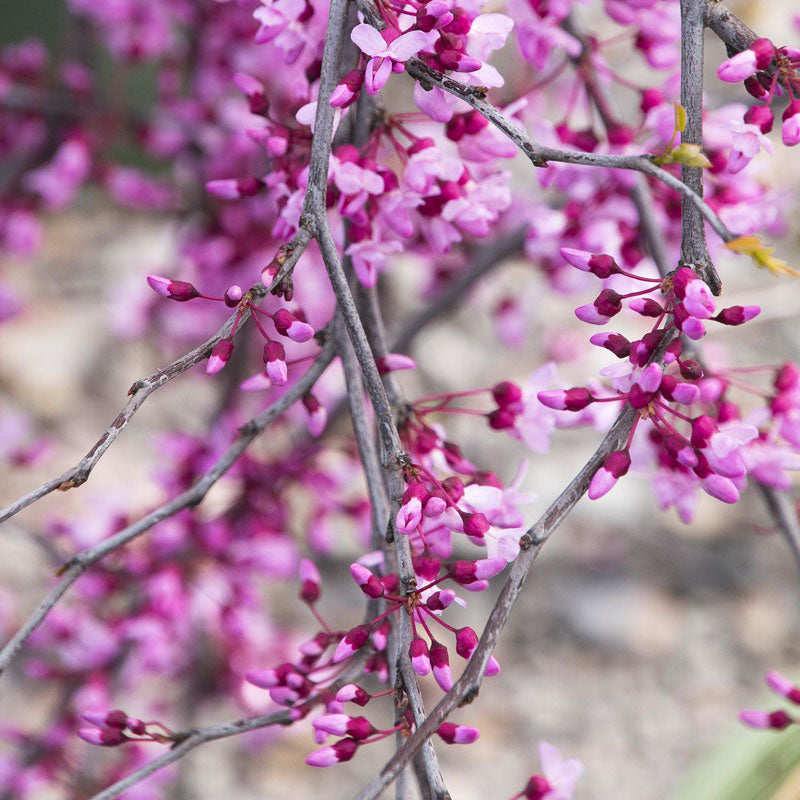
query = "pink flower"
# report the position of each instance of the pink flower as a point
(558, 779)
(385, 51)
(738, 67)
(746, 143)
(457, 734)
(790, 130)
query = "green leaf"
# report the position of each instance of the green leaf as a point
(681, 117)
(689, 154)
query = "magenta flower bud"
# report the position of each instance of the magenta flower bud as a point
(275, 363)
(263, 678)
(174, 290)
(787, 377)
(348, 90)
(720, 487)
(232, 189)
(614, 342)
(698, 300)
(465, 572)
(790, 130)
(394, 362)
(366, 581)
(646, 306)
(332, 724)
(693, 328)
(475, 524)
(435, 505)
(458, 62)
(358, 728)
(507, 394)
(763, 720)
(410, 514)
(353, 640)
(288, 325)
(457, 734)
(602, 265)
(755, 89)
(685, 393)
(566, 400)
(103, 737)
(456, 128)
(492, 667)
(460, 25)
(317, 415)
(537, 788)
(466, 642)
(136, 726)
(351, 693)
(738, 67)
(440, 600)
(486, 568)
(614, 467)
(703, 428)
(440, 661)
(253, 90)
(761, 117)
(420, 656)
(764, 51)
(737, 315)
(310, 582)
(107, 719)
(681, 279)
(606, 305)
(650, 99)
(337, 753)
(782, 686)
(501, 419)
(233, 295)
(650, 379)
(576, 258)
(219, 356)
(691, 369)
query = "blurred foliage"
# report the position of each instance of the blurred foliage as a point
(748, 765)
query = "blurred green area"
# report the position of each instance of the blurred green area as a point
(45, 19)
(748, 765)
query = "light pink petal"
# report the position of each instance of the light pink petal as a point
(407, 45)
(368, 40)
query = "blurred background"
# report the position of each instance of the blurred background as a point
(637, 639)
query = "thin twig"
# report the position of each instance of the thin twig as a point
(540, 155)
(728, 27)
(466, 687)
(694, 252)
(81, 562)
(142, 389)
(194, 739)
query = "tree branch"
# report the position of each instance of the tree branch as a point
(466, 687)
(81, 562)
(142, 389)
(694, 252)
(194, 739)
(728, 27)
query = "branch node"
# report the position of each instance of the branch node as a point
(470, 695)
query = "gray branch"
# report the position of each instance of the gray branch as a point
(81, 562)
(694, 252)
(142, 389)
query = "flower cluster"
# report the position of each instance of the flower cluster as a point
(767, 71)
(779, 719)
(695, 434)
